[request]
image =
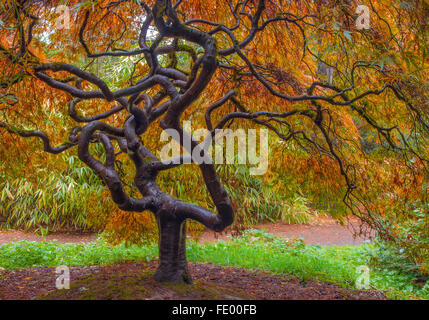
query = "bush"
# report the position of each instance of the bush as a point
(407, 251)
(65, 200)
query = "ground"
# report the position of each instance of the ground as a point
(133, 281)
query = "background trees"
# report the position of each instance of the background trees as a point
(253, 63)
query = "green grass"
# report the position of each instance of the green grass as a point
(254, 250)
(25, 254)
(336, 264)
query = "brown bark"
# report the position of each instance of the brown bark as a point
(173, 266)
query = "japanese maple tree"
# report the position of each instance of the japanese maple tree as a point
(239, 60)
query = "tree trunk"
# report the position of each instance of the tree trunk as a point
(173, 266)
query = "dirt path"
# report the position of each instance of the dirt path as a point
(13, 236)
(328, 232)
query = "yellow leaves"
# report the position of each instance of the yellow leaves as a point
(9, 194)
(423, 268)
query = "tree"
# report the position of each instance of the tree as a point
(180, 58)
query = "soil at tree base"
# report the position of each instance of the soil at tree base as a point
(131, 280)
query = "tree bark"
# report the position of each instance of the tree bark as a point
(173, 266)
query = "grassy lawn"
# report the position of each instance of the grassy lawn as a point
(254, 250)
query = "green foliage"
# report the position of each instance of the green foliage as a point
(394, 268)
(408, 252)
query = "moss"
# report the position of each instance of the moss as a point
(207, 291)
(138, 286)
(89, 295)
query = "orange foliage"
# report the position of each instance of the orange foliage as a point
(285, 53)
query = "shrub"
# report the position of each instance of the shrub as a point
(64, 200)
(407, 251)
